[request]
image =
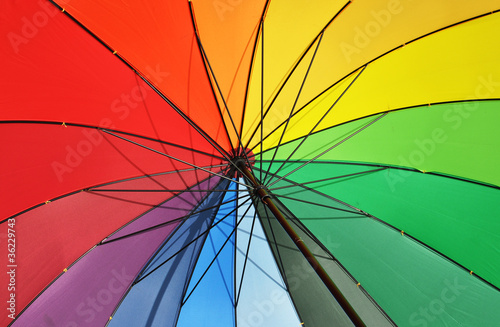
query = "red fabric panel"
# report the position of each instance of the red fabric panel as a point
(158, 39)
(46, 161)
(53, 70)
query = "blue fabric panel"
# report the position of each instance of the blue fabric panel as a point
(210, 297)
(156, 300)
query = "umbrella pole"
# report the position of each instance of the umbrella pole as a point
(261, 192)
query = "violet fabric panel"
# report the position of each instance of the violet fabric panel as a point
(87, 294)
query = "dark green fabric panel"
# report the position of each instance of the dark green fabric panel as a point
(460, 139)
(314, 303)
(414, 285)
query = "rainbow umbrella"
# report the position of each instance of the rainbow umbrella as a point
(250, 163)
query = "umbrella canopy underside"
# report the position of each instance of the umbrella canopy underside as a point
(144, 141)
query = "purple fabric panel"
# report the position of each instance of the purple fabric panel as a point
(89, 291)
(174, 208)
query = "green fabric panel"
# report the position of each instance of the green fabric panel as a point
(460, 139)
(413, 284)
(457, 218)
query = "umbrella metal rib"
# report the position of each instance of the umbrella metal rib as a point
(169, 156)
(261, 192)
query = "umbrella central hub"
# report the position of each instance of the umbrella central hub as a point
(246, 155)
(241, 158)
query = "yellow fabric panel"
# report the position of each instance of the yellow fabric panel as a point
(363, 31)
(279, 107)
(304, 121)
(367, 29)
(290, 27)
(458, 63)
(253, 104)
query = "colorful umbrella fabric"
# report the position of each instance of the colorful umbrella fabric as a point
(250, 163)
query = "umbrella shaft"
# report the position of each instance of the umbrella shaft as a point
(260, 191)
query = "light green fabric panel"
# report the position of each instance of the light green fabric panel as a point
(460, 139)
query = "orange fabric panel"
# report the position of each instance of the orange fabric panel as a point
(228, 30)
